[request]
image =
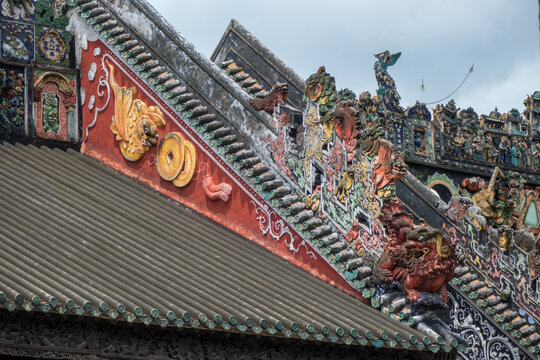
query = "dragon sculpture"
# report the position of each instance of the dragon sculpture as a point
(134, 123)
(277, 95)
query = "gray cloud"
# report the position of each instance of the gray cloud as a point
(439, 41)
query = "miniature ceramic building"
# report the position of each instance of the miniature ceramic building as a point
(159, 204)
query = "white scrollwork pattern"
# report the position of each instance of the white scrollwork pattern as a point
(103, 86)
(277, 229)
(485, 341)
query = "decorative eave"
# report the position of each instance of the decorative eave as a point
(233, 147)
(82, 248)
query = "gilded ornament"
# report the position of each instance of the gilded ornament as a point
(362, 177)
(190, 161)
(176, 159)
(498, 200)
(345, 184)
(170, 156)
(134, 123)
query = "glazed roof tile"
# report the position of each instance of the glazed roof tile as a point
(79, 238)
(511, 319)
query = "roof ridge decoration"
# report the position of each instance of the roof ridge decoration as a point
(493, 280)
(494, 219)
(379, 112)
(374, 166)
(497, 209)
(217, 135)
(488, 209)
(387, 87)
(422, 141)
(304, 220)
(431, 140)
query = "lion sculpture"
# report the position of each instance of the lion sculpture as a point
(419, 257)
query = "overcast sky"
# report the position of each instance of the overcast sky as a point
(439, 41)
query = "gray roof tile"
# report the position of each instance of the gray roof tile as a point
(78, 237)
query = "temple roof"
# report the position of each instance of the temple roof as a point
(80, 238)
(212, 277)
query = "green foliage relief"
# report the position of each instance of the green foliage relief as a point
(50, 116)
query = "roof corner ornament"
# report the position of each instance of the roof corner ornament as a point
(277, 95)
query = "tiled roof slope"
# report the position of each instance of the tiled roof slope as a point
(79, 238)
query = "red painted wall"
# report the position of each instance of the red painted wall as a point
(238, 214)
